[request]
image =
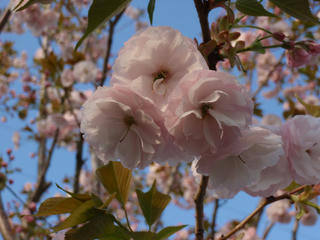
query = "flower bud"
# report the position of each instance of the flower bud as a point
(279, 36)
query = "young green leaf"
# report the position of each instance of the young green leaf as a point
(311, 109)
(116, 179)
(101, 227)
(151, 6)
(152, 203)
(79, 196)
(58, 205)
(143, 235)
(81, 214)
(29, 3)
(168, 231)
(296, 8)
(252, 8)
(99, 12)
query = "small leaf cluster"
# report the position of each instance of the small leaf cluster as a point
(97, 221)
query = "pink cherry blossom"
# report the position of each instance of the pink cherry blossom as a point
(279, 211)
(271, 179)
(154, 60)
(85, 71)
(301, 137)
(241, 164)
(208, 110)
(67, 78)
(119, 124)
(297, 57)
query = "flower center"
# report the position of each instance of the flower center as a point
(158, 79)
(163, 74)
(205, 107)
(129, 121)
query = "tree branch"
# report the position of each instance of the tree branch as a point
(266, 202)
(79, 164)
(42, 185)
(4, 19)
(203, 10)
(199, 198)
(214, 218)
(5, 227)
(112, 24)
(295, 229)
(267, 230)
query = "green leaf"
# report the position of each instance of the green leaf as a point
(151, 6)
(311, 109)
(168, 231)
(299, 9)
(101, 11)
(143, 235)
(116, 179)
(152, 203)
(257, 47)
(81, 214)
(314, 205)
(79, 196)
(58, 205)
(101, 227)
(252, 8)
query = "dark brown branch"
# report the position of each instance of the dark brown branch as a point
(203, 10)
(214, 218)
(5, 227)
(199, 199)
(202, 7)
(112, 25)
(266, 202)
(79, 164)
(4, 19)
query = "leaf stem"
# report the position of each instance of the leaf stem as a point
(251, 26)
(127, 218)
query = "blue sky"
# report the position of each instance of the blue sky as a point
(182, 16)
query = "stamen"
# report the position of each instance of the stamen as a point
(205, 109)
(160, 75)
(243, 161)
(129, 121)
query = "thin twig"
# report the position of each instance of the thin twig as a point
(214, 218)
(112, 24)
(5, 227)
(16, 195)
(199, 199)
(4, 19)
(42, 185)
(266, 202)
(267, 230)
(295, 229)
(265, 81)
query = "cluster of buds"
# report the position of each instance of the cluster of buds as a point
(225, 40)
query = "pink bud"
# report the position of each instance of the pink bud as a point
(4, 164)
(11, 181)
(278, 36)
(297, 57)
(9, 151)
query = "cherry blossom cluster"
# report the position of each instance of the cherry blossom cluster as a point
(164, 105)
